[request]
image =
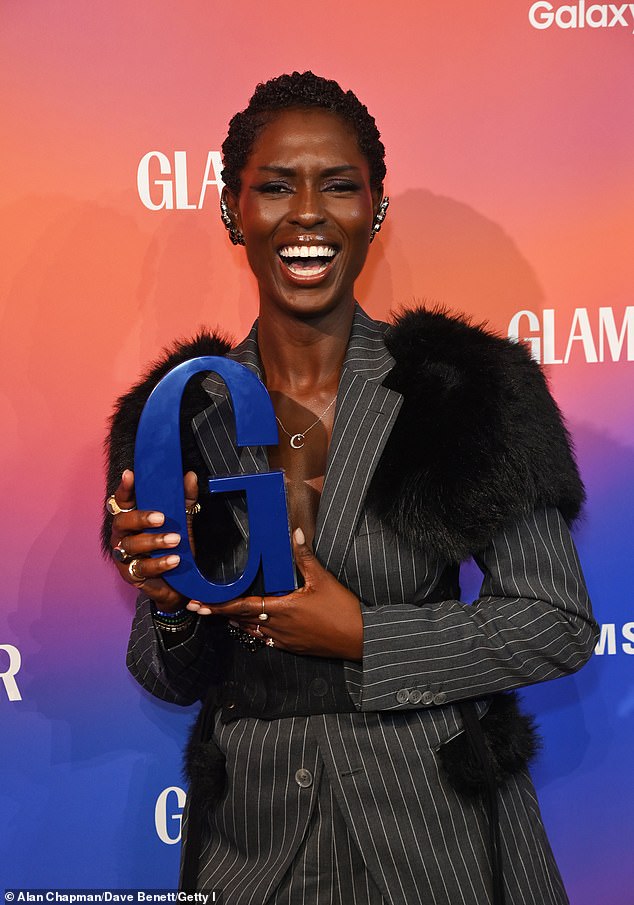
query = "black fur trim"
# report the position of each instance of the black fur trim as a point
(510, 737)
(204, 770)
(119, 446)
(478, 443)
(205, 774)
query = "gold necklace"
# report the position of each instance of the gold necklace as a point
(298, 440)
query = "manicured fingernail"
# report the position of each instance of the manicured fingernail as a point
(171, 540)
(172, 560)
(193, 606)
(234, 624)
(204, 611)
(156, 518)
(299, 536)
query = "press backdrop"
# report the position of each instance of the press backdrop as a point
(510, 144)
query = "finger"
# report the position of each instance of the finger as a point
(127, 485)
(268, 639)
(244, 608)
(139, 570)
(145, 544)
(305, 559)
(190, 482)
(234, 610)
(191, 488)
(134, 522)
(124, 494)
(272, 641)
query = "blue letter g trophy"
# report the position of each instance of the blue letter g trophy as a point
(159, 480)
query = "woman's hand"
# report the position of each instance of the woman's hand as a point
(134, 544)
(323, 618)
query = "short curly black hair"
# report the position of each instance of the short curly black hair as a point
(299, 89)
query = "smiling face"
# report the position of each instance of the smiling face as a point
(306, 210)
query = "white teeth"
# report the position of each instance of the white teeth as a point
(307, 251)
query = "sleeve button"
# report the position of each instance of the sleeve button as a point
(440, 698)
(427, 698)
(402, 696)
(415, 696)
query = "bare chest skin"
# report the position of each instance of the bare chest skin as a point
(304, 467)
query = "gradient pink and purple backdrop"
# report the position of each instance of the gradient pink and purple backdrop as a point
(510, 173)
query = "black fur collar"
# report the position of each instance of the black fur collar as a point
(478, 442)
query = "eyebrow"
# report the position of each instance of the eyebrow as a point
(290, 171)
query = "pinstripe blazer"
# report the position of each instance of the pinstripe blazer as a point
(421, 842)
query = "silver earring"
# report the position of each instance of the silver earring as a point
(380, 217)
(234, 234)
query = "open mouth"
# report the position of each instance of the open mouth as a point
(306, 261)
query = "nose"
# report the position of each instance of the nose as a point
(307, 209)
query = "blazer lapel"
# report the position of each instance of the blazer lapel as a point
(365, 414)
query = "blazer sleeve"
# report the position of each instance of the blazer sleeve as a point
(531, 622)
(180, 674)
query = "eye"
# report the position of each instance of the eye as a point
(274, 188)
(341, 185)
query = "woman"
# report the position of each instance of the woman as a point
(355, 744)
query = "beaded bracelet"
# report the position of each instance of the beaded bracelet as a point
(183, 616)
(184, 620)
(173, 627)
(175, 614)
(177, 621)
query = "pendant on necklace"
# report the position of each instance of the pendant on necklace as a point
(297, 441)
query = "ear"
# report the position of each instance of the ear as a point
(233, 207)
(377, 197)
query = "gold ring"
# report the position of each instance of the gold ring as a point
(193, 510)
(134, 575)
(114, 508)
(121, 555)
